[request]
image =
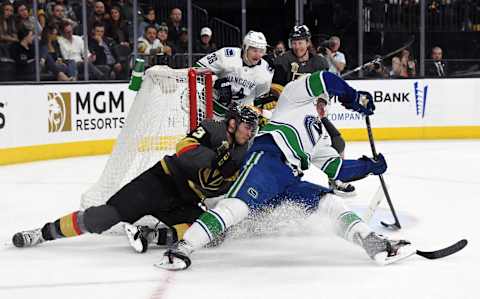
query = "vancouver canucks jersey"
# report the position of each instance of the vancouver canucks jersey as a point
(247, 82)
(295, 126)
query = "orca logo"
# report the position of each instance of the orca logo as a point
(420, 98)
(2, 116)
(313, 127)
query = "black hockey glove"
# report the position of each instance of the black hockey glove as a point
(375, 167)
(363, 103)
(224, 91)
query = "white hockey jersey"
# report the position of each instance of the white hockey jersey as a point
(251, 81)
(296, 129)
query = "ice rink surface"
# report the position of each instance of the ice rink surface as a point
(434, 186)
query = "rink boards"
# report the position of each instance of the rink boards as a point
(51, 121)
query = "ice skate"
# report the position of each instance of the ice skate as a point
(384, 251)
(342, 189)
(28, 238)
(137, 237)
(177, 257)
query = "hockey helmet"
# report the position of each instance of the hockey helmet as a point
(254, 39)
(300, 32)
(243, 113)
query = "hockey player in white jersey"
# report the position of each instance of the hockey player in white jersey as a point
(242, 74)
(288, 144)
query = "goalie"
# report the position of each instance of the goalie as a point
(271, 174)
(205, 164)
(243, 75)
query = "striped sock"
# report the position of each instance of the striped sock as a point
(70, 225)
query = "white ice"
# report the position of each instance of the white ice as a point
(434, 186)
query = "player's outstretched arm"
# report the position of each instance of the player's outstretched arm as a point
(326, 82)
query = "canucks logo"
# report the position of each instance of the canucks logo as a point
(420, 98)
(313, 127)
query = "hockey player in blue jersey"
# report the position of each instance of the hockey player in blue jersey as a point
(282, 149)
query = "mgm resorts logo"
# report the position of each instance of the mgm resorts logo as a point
(85, 111)
(420, 98)
(59, 112)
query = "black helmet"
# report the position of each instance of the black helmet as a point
(300, 32)
(242, 113)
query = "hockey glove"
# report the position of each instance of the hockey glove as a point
(363, 103)
(224, 91)
(375, 167)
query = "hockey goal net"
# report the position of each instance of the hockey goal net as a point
(169, 103)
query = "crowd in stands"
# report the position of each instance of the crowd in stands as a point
(110, 42)
(110, 39)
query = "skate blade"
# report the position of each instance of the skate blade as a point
(175, 265)
(402, 253)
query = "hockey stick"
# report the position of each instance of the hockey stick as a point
(432, 255)
(380, 59)
(395, 225)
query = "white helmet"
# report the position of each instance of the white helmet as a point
(254, 39)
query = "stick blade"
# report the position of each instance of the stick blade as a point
(445, 251)
(393, 226)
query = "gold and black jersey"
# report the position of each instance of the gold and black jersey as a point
(205, 164)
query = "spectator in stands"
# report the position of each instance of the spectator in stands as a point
(182, 43)
(68, 12)
(58, 17)
(25, 20)
(126, 8)
(407, 65)
(376, 70)
(174, 24)
(279, 49)
(42, 18)
(117, 27)
(395, 71)
(104, 49)
(24, 55)
(436, 67)
(72, 48)
(150, 19)
(149, 45)
(205, 45)
(8, 30)
(335, 58)
(162, 35)
(51, 57)
(99, 15)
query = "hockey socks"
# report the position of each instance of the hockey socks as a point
(214, 222)
(70, 225)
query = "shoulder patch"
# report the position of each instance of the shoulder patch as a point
(229, 52)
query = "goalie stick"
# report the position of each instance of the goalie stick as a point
(380, 59)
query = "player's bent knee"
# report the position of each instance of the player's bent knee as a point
(333, 206)
(233, 210)
(101, 218)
